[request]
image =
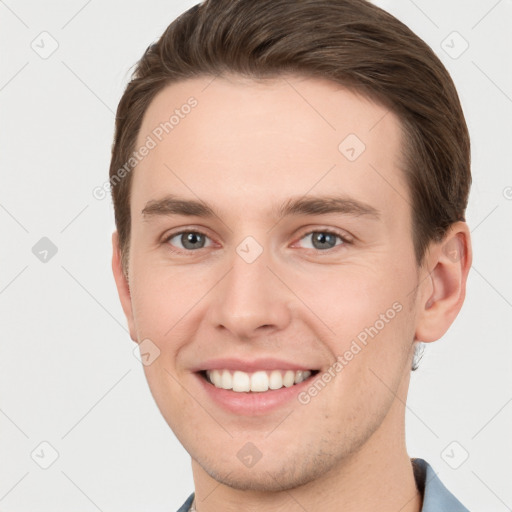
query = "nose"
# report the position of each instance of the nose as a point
(250, 300)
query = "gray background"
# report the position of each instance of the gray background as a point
(68, 376)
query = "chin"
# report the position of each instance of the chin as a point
(269, 476)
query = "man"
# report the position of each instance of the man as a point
(289, 181)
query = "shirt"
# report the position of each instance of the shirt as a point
(436, 497)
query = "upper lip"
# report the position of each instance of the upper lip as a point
(251, 365)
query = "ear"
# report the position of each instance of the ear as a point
(444, 288)
(123, 288)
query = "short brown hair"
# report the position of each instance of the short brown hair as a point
(351, 42)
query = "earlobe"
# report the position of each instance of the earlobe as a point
(122, 285)
(445, 287)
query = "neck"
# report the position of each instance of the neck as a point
(377, 476)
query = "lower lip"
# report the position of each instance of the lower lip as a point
(253, 403)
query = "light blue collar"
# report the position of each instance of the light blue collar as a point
(436, 497)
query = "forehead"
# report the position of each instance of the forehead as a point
(266, 139)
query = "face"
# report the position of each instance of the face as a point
(271, 236)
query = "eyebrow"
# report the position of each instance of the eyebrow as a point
(306, 205)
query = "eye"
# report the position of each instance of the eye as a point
(191, 240)
(324, 239)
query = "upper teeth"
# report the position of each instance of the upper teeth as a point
(257, 381)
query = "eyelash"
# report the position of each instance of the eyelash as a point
(345, 240)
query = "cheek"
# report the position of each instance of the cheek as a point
(162, 300)
(368, 371)
(169, 395)
(372, 319)
(376, 358)
(350, 299)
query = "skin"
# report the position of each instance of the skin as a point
(246, 148)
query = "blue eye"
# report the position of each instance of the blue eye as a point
(324, 239)
(190, 240)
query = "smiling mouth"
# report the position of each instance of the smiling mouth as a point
(258, 382)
